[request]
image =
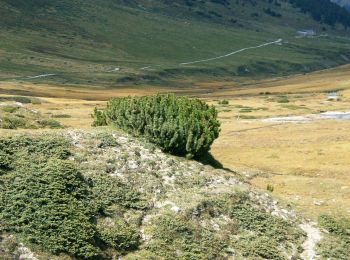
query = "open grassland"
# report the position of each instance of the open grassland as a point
(306, 163)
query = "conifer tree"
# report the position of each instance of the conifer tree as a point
(178, 125)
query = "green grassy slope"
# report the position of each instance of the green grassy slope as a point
(82, 42)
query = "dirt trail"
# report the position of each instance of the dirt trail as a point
(233, 53)
(40, 76)
(279, 41)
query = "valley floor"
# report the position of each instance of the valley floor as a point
(305, 161)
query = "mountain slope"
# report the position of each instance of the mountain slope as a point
(139, 41)
(101, 193)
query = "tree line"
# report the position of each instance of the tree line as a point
(324, 11)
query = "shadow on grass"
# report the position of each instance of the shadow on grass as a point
(208, 159)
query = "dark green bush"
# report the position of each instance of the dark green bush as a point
(339, 227)
(262, 235)
(24, 148)
(61, 116)
(224, 102)
(47, 205)
(107, 140)
(333, 248)
(5, 161)
(24, 100)
(12, 122)
(258, 247)
(177, 237)
(107, 191)
(282, 99)
(50, 123)
(47, 202)
(10, 109)
(119, 235)
(270, 188)
(17, 117)
(44, 198)
(99, 118)
(262, 223)
(178, 125)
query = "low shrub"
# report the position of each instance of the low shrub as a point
(50, 123)
(282, 99)
(224, 102)
(47, 205)
(118, 234)
(61, 116)
(262, 223)
(14, 117)
(247, 117)
(107, 190)
(44, 198)
(336, 244)
(258, 247)
(178, 125)
(246, 110)
(5, 161)
(12, 122)
(262, 235)
(107, 140)
(23, 147)
(333, 248)
(9, 109)
(176, 237)
(99, 118)
(339, 227)
(270, 188)
(250, 233)
(47, 202)
(24, 100)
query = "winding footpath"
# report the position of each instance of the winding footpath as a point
(279, 41)
(40, 76)
(233, 53)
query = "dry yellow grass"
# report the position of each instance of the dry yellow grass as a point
(316, 82)
(307, 163)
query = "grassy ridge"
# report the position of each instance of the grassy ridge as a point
(110, 196)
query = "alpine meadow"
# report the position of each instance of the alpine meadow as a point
(184, 129)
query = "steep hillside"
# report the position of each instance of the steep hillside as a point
(148, 42)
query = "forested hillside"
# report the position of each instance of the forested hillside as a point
(324, 11)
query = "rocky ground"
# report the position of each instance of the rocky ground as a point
(184, 209)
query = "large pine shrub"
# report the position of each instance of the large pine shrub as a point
(178, 125)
